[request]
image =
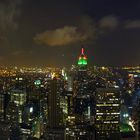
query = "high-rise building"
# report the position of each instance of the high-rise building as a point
(55, 128)
(2, 106)
(35, 110)
(17, 101)
(54, 110)
(83, 90)
(107, 118)
(12, 114)
(18, 97)
(4, 99)
(82, 97)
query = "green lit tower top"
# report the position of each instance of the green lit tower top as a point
(82, 59)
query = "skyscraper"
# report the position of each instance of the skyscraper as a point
(107, 114)
(83, 89)
(82, 99)
(4, 99)
(55, 112)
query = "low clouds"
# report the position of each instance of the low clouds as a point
(132, 24)
(67, 35)
(84, 32)
(108, 22)
(113, 22)
(60, 36)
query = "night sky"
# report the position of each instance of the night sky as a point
(52, 32)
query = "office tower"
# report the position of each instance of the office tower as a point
(27, 120)
(35, 110)
(55, 112)
(32, 125)
(4, 99)
(12, 115)
(17, 100)
(83, 89)
(18, 97)
(70, 120)
(2, 110)
(81, 84)
(28, 113)
(36, 94)
(37, 128)
(82, 97)
(107, 114)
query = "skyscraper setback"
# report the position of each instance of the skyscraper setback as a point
(82, 58)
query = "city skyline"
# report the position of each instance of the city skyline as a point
(77, 103)
(48, 33)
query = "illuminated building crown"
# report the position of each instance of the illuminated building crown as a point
(82, 59)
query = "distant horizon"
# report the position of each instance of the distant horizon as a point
(47, 66)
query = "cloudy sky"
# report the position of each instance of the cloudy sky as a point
(51, 32)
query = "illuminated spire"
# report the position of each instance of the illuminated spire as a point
(82, 51)
(82, 58)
